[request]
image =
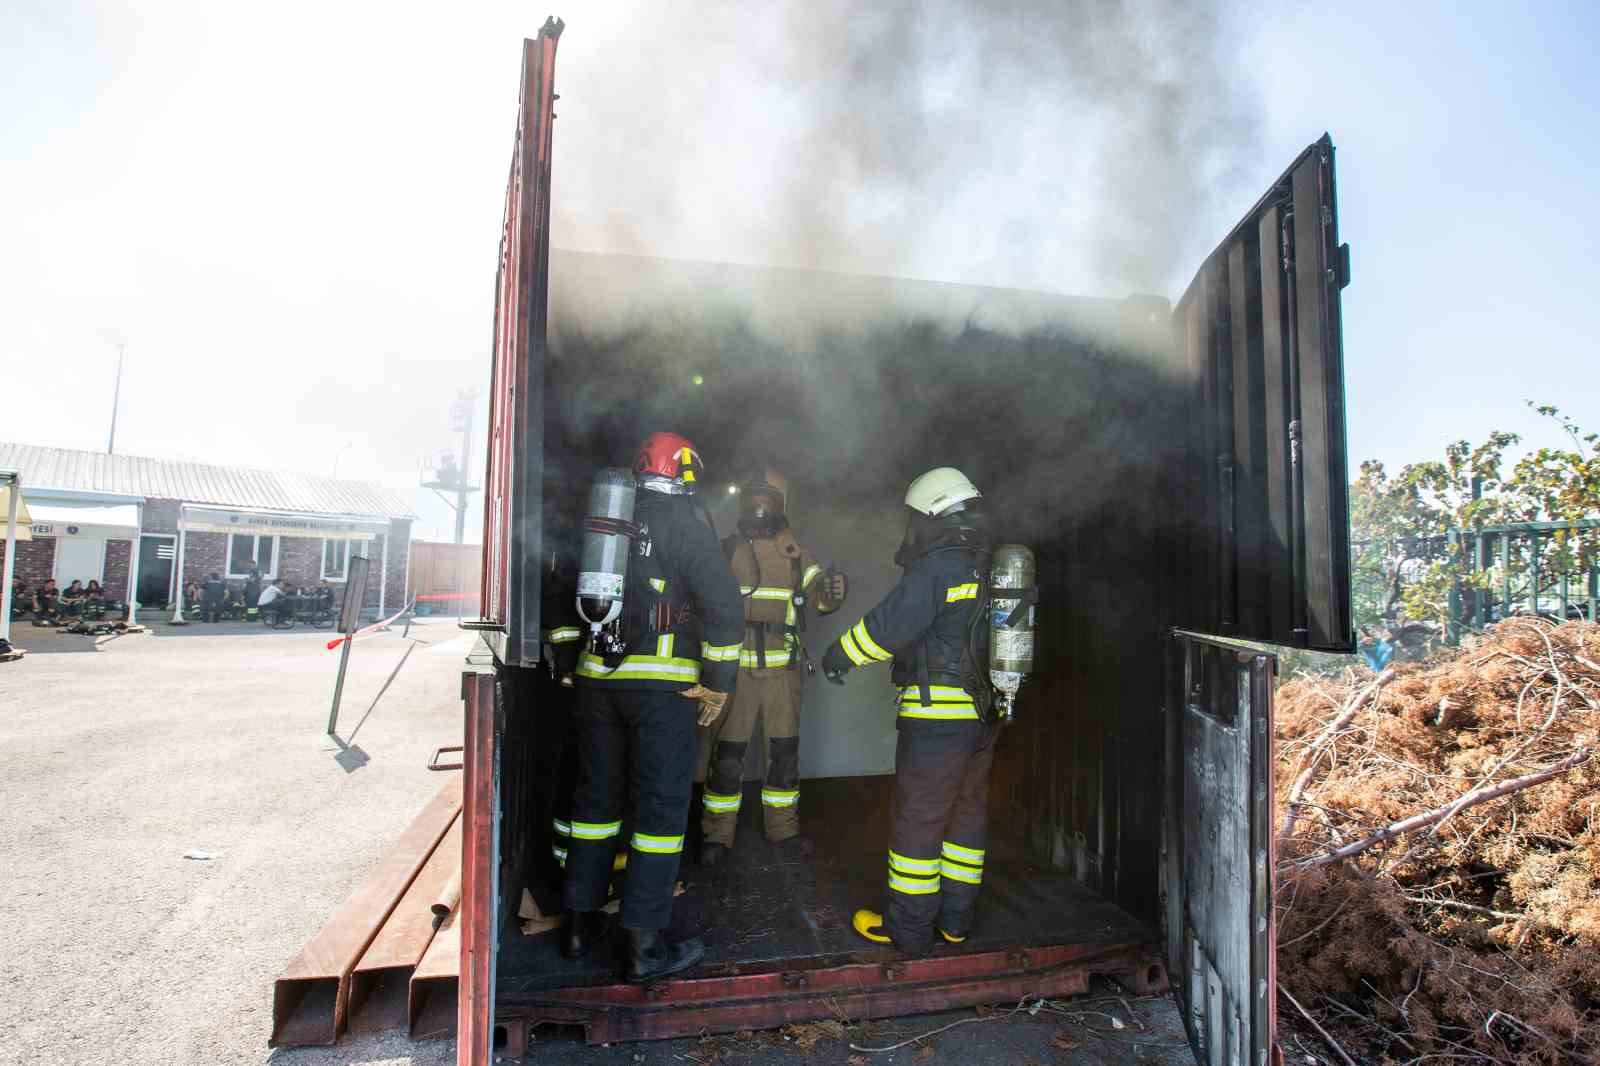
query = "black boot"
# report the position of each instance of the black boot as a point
(712, 853)
(652, 957)
(584, 929)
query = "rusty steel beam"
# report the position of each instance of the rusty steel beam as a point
(381, 982)
(310, 998)
(479, 871)
(435, 983)
(853, 989)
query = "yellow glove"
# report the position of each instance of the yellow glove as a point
(711, 702)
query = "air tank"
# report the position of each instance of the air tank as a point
(607, 543)
(1012, 596)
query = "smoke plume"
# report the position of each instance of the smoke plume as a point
(1027, 144)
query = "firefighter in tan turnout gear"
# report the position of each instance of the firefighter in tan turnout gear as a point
(778, 578)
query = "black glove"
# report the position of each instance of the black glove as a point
(835, 664)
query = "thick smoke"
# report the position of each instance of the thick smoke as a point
(1055, 146)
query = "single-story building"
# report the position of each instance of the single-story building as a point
(116, 518)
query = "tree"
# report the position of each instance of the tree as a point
(1412, 544)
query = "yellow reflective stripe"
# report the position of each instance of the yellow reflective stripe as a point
(657, 845)
(721, 802)
(720, 653)
(774, 658)
(659, 584)
(788, 613)
(852, 651)
(664, 646)
(969, 591)
(941, 713)
(970, 856)
(912, 866)
(559, 853)
(565, 634)
(595, 830)
(915, 886)
(769, 592)
(779, 797)
(868, 645)
(648, 667)
(956, 872)
(562, 828)
(938, 696)
(810, 575)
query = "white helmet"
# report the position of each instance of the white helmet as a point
(939, 490)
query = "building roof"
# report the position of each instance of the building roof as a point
(227, 486)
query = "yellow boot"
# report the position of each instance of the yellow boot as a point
(870, 925)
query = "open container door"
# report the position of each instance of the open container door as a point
(1261, 554)
(512, 517)
(514, 469)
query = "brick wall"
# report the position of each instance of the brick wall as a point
(160, 516)
(114, 582)
(36, 559)
(203, 555)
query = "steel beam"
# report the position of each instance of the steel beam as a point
(854, 989)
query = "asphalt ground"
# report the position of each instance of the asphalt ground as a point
(122, 755)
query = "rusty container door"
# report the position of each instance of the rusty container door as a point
(514, 470)
(1265, 552)
(1217, 848)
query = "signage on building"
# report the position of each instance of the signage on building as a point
(215, 520)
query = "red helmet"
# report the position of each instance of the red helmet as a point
(670, 456)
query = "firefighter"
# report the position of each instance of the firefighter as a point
(930, 626)
(636, 713)
(776, 577)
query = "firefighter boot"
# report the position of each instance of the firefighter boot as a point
(584, 929)
(869, 923)
(712, 853)
(651, 956)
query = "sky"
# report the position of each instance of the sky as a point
(288, 216)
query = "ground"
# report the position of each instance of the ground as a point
(123, 755)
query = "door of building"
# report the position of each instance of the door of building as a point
(79, 559)
(156, 558)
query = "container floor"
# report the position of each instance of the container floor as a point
(762, 909)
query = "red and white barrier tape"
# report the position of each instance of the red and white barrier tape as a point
(373, 628)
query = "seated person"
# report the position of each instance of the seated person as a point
(211, 592)
(72, 599)
(276, 601)
(95, 600)
(21, 598)
(46, 601)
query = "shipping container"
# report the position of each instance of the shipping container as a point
(1180, 473)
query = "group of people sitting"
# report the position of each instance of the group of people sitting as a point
(276, 600)
(48, 602)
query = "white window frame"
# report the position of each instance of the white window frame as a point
(337, 578)
(269, 571)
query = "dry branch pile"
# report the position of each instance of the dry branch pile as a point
(1439, 873)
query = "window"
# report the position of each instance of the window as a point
(247, 549)
(335, 559)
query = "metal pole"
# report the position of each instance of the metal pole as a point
(383, 570)
(1533, 573)
(338, 684)
(177, 574)
(116, 398)
(11, 557)
(133, 569)
(461, 495)
(1505, 574)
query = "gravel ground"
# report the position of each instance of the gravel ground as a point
(119, 755)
